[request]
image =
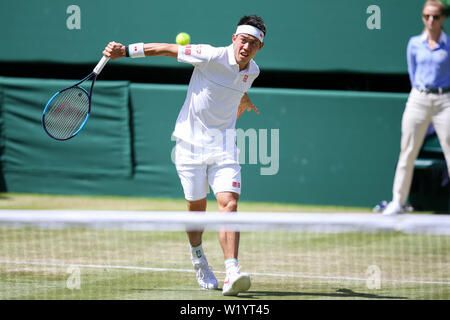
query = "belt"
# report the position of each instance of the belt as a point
(432, 90)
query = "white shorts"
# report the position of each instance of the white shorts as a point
(199, 168)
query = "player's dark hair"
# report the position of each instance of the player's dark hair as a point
(255, 21)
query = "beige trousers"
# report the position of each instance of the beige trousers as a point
(421, 109)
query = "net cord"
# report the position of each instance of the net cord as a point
(243, 221)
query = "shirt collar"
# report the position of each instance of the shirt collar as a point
(231, 58)
(442, 38)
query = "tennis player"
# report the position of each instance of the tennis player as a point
(206, 153)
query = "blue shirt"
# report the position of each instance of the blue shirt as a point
(429, 68)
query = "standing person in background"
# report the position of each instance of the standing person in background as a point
(428, 57)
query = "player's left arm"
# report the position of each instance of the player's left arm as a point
(246, 103)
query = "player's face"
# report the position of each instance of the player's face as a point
(245, 48)
(432, 18)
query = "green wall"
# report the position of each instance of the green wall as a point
(325, 35)
(337, 148)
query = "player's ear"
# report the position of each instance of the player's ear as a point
(261, 45)
(233, 37)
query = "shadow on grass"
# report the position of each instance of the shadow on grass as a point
(3, 196)
(340, 293)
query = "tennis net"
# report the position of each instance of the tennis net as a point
(145, 255)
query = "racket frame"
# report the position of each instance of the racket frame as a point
(98, 68)
(89, 108)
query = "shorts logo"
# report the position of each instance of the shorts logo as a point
(236, 184)
(245, 78)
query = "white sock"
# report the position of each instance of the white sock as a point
(197, 253)
(230, 264)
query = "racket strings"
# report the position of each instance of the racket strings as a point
(66, 108)
(66, 113)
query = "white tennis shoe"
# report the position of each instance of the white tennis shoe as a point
(205, 276)
(393, 208)
(235, 282)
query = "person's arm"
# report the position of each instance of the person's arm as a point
(246, 103)
(411, 60)
(115, 50)
(161, 49)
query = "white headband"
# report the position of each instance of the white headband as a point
(251, 30)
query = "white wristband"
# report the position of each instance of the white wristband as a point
(136, 50)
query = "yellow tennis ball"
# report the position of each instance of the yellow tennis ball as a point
(183, 38)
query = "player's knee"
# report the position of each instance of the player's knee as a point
(228, 205)
(197, 205)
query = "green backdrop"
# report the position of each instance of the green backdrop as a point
(27, 150)
(325, 35)
(336, 148)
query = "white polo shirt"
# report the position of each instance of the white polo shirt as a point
(215, 90)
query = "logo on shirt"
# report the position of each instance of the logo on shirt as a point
(199, 50)
(245, 78)
(187, 51)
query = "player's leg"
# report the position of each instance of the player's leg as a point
(205, 276)
(415, 121)
(225, 179)
(226, 183)
(195, 237)
(195, 186)
(235, 281)
(229, 240)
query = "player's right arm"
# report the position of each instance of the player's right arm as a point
(115, 50)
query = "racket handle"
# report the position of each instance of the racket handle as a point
(99, 67)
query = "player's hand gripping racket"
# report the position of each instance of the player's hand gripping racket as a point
(67, 112)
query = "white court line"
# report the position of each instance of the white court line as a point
(97, 266)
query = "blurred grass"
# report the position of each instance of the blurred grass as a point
(123, 264)
(34, 262)
(71, 202)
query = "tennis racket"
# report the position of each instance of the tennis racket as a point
(67, 112)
